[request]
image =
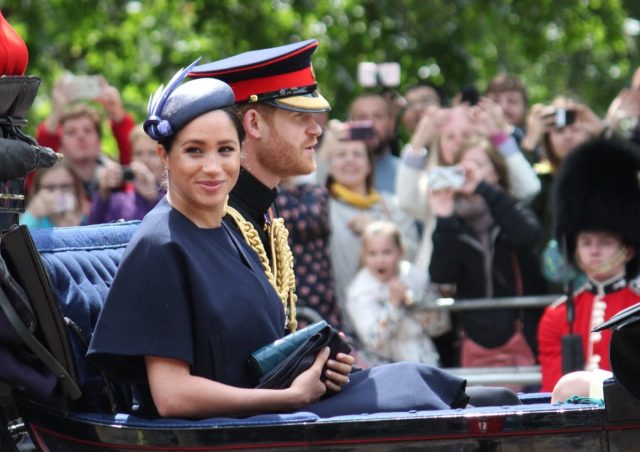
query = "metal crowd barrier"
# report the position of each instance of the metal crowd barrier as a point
(498, 376)
(450, 304)
(493, 376)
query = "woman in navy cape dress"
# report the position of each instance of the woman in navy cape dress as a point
(191, 295)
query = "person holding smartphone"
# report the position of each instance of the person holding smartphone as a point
(482, 246)
(129, 192)
(74, 127)
(373, 107)
(557, 129)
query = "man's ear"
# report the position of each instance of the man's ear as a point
(253, 123)
(631, 251)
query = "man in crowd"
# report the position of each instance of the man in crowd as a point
(373, 107)
(511, 95)
(276, 94)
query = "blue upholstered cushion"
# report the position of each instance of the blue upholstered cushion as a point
(81, 263)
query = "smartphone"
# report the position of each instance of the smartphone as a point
(84, 86)
(563, 117)
(443, 177)
(378, 74)
(360, 130)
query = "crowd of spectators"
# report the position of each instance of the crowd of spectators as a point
(463, 209)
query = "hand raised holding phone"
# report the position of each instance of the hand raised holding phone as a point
(82, 87)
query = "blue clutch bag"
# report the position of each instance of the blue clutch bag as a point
(277, 364)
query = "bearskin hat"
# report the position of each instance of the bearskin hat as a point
(598, 189)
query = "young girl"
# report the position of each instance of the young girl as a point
(381, 292)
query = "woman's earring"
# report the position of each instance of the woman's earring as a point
(224, 206)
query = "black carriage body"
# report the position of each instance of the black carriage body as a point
(83, 260)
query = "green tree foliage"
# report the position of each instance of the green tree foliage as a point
(575, 47)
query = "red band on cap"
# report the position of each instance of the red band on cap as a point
(298, 79)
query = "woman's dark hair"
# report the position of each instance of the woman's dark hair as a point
(233, 114)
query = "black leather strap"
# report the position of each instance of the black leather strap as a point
(68, 384)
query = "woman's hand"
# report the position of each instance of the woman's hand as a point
(441, 202)
(42, 203)
(539, 119)
(337, 370)
(144, 181)
(307, 387)
(109, 178)
(588, 121)
(61, 95)
(431, 120)
(489, 119)
(472, 177)
(625, 105)
(110, 99)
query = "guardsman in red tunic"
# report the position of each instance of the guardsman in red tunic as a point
(598, 214)
(595, 302)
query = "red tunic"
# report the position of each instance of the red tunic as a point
(617, 296)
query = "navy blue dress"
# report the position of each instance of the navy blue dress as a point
(186, 293)
(200, 295)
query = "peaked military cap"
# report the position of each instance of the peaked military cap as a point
(279, 76)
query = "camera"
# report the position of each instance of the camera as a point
(127, 174)
(563, 117)
(378, 74)
(443, 177)
(359, 130)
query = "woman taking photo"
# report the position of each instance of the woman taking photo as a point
(482, 246)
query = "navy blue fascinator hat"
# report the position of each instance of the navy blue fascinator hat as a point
(173, 107)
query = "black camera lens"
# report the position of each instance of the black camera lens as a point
(127, 174)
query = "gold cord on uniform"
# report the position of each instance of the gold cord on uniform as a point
(282, 277)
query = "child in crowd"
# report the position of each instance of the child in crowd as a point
(57, 198)
(597, 200)
(380, 296)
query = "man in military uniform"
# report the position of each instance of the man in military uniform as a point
(276, 93)
(596, 211)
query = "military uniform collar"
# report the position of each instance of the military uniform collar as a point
(611, 285)
(252, 196)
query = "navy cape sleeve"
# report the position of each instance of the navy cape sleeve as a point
(147, 310)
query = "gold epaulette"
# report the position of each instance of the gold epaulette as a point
(281, 275)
